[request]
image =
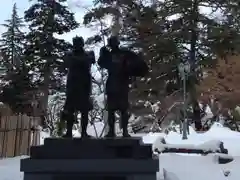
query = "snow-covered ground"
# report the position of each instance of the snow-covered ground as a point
(174, 166)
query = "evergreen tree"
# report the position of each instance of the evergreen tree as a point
(16, 92)
(229, 30)
(143, 31)
(168, 32)
(200, 36)
(12, 41)
(45, 52)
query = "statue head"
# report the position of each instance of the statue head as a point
(78, 43)
(113, 42)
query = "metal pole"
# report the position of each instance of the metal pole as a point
(184, 136)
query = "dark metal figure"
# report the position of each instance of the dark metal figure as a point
(79, 86)
(197, 116)
(121, 65)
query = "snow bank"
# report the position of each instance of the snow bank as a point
(9, 169)
(150, 138)
(178, 167)
(43, 135)
(208, 140)
(218, 131)
(213, 146)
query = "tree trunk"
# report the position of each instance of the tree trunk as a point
(47, 68)
(194, 38)
(45, 92)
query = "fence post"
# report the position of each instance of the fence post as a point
(16, 137)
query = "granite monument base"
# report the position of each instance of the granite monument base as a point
(90, 159)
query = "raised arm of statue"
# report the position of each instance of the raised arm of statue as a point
(104, 58)
(137, 67)
(66, 59)
(91, 55)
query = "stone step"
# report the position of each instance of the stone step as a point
(29, 165)
(91, 159)
(107, 142)
(93, 176)
(81, 152)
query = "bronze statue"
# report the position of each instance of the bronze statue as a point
(79, 86)
(121, 65)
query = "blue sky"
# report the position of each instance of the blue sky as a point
(6, 10)
(77, 6)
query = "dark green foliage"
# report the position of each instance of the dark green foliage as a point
(38, 52)
(51, 17)
(17, 88)
(44, 52)
(12, 41)
(18, 92)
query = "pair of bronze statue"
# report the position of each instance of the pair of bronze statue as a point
(122, 64)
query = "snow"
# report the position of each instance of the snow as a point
(43, 136)
(212, 145)
(101, 100)
(9, 169)
(174, 166)
(178, 167)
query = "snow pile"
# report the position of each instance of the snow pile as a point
(150, 138)
(210, 139)
(43, 136)
(178, 167)
(9, 169)
(212, 146)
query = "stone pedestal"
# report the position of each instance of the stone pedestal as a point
(90, 159)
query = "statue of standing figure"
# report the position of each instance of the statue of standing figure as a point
(79, 87)
(122, 64)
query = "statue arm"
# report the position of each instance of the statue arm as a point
(67, 60)
(92, 57)
(137, 67)
(103, 60)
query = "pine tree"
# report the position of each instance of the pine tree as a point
(229, 30)
(143, 31)
(199, 37)
(12, 40)
(18, 92)
(168, 32)
(45, 52)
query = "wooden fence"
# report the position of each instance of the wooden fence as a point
(17, 134)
